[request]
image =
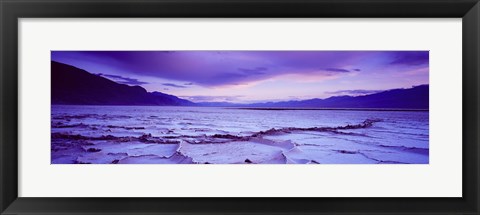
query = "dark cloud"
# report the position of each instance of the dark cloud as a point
(231, 78)
(336, 70)
(210, 68)
(354, 92)
(221, 68)
(123, 80)
(255, 71)
(188, 84)
(173, 85)
(410, 58)
(357, 70)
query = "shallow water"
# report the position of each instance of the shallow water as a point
(215, 135)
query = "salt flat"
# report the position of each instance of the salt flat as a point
(215, 135)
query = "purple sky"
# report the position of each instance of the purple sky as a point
(255, 76)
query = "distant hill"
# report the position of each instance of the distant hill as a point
(71, 85)
(416, 97)
(412, 98)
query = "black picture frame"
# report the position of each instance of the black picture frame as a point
(12, 10)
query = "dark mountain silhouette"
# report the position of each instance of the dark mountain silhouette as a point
(71, 85)
(416, 97)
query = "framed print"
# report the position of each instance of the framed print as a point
(208, 120)
(248, 107)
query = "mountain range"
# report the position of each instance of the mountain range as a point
(416, 97)
(71, 85)
(74, 86)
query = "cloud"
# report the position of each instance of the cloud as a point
(123, 80)
(410, 58)
(212, 98)
(255, 71)
(173, 85)
(354, 92)
(336, 70)
(188, 84)
(223, 68)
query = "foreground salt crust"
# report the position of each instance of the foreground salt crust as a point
(170, 135)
